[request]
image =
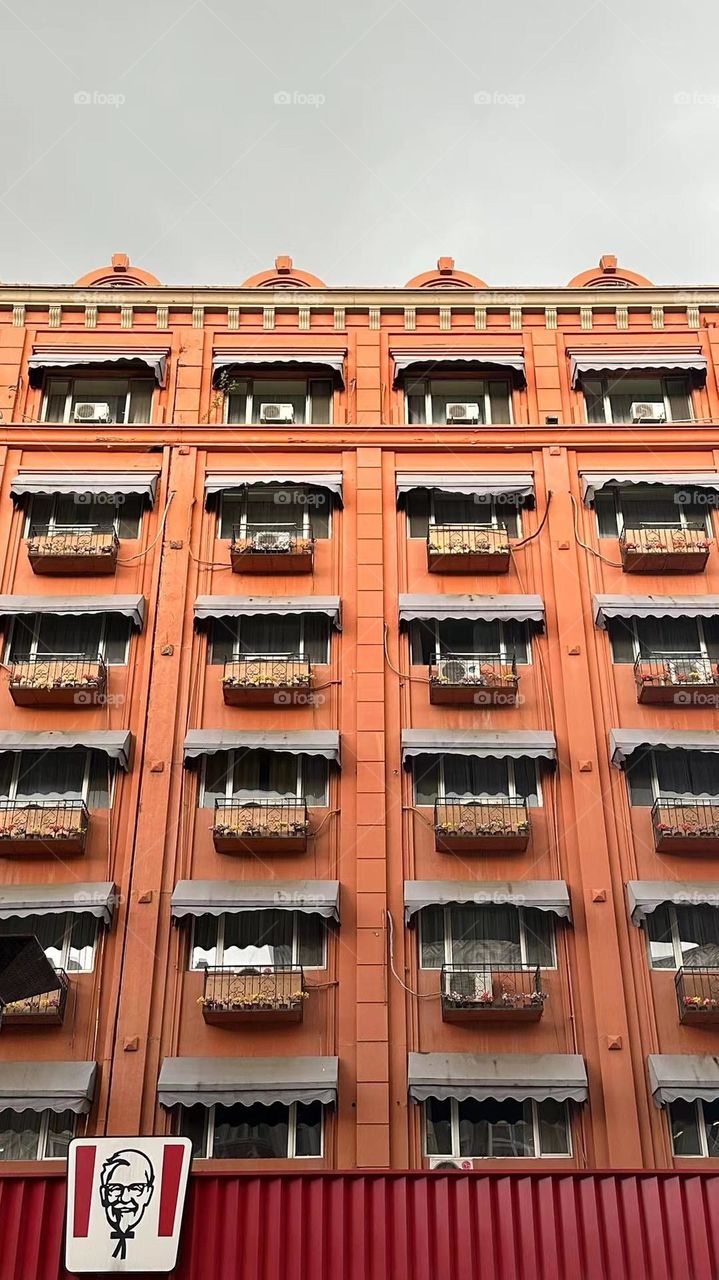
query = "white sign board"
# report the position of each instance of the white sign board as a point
(125, 1198)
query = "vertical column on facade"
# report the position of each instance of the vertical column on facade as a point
(188, 389)
(604, 1038)
(371, 849)
(12, 340)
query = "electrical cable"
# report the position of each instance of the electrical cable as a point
(141, 554)
(421, 995)
(584, 545)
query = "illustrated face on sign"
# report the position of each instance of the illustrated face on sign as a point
(127, 1182)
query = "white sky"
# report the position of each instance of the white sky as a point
(599, 136)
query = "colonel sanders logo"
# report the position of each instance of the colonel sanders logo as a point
(127, 1182)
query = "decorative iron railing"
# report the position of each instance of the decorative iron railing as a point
(42, 821)
(48, 1007)
(697, 994)
(231, 990)
(270, 540)
(252, 672)
(685, 820)
(260, 819)
(492, 987)
(489, 819)
(467, 540)
(87, 677)
(72, 541)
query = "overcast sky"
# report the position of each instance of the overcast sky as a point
(363, 137)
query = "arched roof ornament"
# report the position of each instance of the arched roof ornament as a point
(608, 276)
(284, 276)
(118, 275)
(446, 277)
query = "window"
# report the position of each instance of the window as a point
(258, 938)
(487, 934)
(107, 512)
(258, 1132)
(429, 507)
(470, 778)
(310, 398)
(633, 638)
(427, 398)
(694, 1128)
(35, 1135)
(498, 1129)
(60, 774)
(646, 505)
(271, 775)
(665, 774)
(610, 399)
(268, 506)
(271, 635)
(127, 399)
(67, 939)
(683, 936)
(103, 635)
(504, 640)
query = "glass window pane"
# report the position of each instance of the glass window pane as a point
(416, 409)
(232, 506)
(417, 505)
(431, 933)
(141, 399)
(311, 934)
(525, 780)
(495, 1128)
(236, 389)
(81, 949)
(258, 938)
(56, 390)
(484, 935)
(425, 771)
(7, 765)
(684, 1129)
(216, 771)
(321, 400)
(553, 1128)
(128, 514)
(204, 952)
(117, 638)
(60, 1131)
(538, 936)
(438, 1127)
(192, 1124)
(711, 1126)
(639, 778)
(270, 634)
(314, 780)
(308, 1131)
(101, 773)
(447, 391)
(679, 398)
(593, 399)
(317, 637)
(621, 638)
(223, 639)
(422, 642)
(319, 503)
(516, 641)
(54, 774)
(698, 929)
(251, 1133)
(499, 401)
(658, 925)
(604, 506)
(658, 636)
(624, 391)
(19, 1135)
(292, 391)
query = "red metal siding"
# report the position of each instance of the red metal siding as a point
(332, 1226)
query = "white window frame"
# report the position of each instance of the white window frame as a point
(702, 651)
(86, 779)
(502, 655)
(42, 1138)
(220, 946)
(494, 522)
(682, 518)
(454, 1154)
(298, 653)
(209, 1136)
(101, 645)
(250, 400)
(54, 525)
(484, 380)
(657, 792)
(511, 784)
(636, 373)
(259, 795)
(70, 394)
(266, 491)
(701, 1129)
(675, 941)
(449, 941)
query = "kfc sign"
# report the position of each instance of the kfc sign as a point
(125, 1198)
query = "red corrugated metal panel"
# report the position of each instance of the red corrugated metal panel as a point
(439, 1226)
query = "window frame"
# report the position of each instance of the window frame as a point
(86, 779)
(54, 526)
(37, 625)
(209, 1136)
(266, 491)
(495, 520)
(675, 941)
(502, 655)
(511, 783)
(657, 793)
(250, 380)
(606, 398)
(101, 375)
(536, 1133)
(237, 656)
(698, 1105)
(683, 519)
(631, 626)
(295, 962)
(42, 1137)
(429, 393)
(449, 940)
(236, 752)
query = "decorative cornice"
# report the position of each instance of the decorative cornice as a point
(585, 317)
(233, 317)
(550, 317)
(18, 315)
(480, 317)
(268, 317)
(163, 317)
(54, 315)
(126, 316)
(91, 316)
(657, 317)
(410, 318)
(340, 317)
(303, 317)
(198, 317)
(374, 317)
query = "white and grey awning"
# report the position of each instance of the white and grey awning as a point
(222, 1081)
(47, 1086)
(535, 744)
(584, 360)
(624, 742)
(646, 896)
(594, 482)
(155, 358)
(606, 607)
(208, 607)
(504, 608)
(219, 481)
(233, 897)
(479, 357)
(542, 895)
(96, 899)
(332, 358)
(114, 743)
(683, 1077)
(481, 1076)
(132, 607)
(483, 485)
(29, 483)
(303, 742)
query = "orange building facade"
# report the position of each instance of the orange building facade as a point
(358, 725)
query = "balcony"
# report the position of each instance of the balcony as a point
(46, 1010)
(77, 549)
(479, 680)
(257, 548)
(664, 548)
(492, 993)
(267, 682)
(55, 680)
(698, 996)
(260, 826)
(253, 995)
(42, 828)
(682, 680)
(686, 825)
(481, 826)
(467, 548)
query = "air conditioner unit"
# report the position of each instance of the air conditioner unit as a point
(648, 411)
(92, 411)
(449, 1162)
(272, 540)
(463, 412)
(277, 413)
(454, 671)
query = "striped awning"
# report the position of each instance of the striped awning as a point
(606, 607)
(474, 608)
(499, 1076)
(303, 742)
(223, 1081)
(584, 360)
(116, 744)
(155, 358)
(28, 483)
(483, 485)
(594, 481)
(332, 358)
(233, 897)
(479, 357)
(132, 607)
(536, 744)
(543, 895)
(208, 607)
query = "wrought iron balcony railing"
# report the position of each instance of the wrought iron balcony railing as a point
(46, 1010)
(664, 548)
(270, 548)
(492, 991)
(686, 824)
(269, 826)
(42, 827)
(57, 680)
(77, 549)
(466, 548)
(254, 994)
(698, 994)
(477, 826)
(682, 679)
(480, 679)
(267, 681)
